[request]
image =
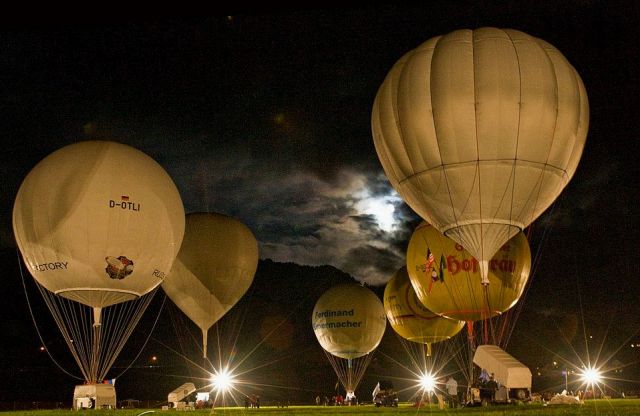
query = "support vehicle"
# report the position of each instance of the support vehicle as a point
(512, 377)
(94, 396)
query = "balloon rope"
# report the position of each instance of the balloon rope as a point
(95, 353)
(471, 348)
(236, 333)
(416, 360)
(535, 261)
(455, 348)
(337, 368)
(180, 326)
(62, 311)
(349, 377)
(33, 319)
(146, 300)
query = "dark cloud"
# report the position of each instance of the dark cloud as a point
(375, 265)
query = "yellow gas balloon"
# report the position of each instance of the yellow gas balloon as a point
(213, 270)
(479, 131)
(349, 321)
(446, 278)
(98, 222)
(409, 318)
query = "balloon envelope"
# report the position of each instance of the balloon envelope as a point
(479, 131)
(349, 320)
(450, 284)
(98, 222)
(409, 318)
(214, 268)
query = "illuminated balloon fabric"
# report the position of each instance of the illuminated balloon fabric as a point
(479, 131)
(455, 290)
(409, 318)
(349, 321)
(214, 267)
(98, 222)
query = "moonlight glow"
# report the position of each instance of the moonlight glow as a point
(381, 208)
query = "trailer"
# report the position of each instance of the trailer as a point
(513, 377)
(177, 397)
(94, 396)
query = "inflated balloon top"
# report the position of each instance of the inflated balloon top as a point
(479, 131)
(214, 268)
(349, 321)
(98, 222)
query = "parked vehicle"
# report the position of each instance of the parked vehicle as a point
(385, 395)
(512, 377)
(94, 396)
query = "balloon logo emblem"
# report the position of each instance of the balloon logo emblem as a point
(118, 267)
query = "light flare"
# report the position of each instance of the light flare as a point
(591, 376)
(427, 382)
(222, 381)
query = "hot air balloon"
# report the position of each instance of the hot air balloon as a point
(479, 131)
(213, 270)
(410, 319)
(446, 278)
(349, 322)
(98, 224)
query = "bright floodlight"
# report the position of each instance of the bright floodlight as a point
(591, 375)
(428, 382)
(222, 380)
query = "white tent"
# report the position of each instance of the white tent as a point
(507, 371)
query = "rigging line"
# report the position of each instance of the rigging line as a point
(234, 333)
(110, 331)
(337, 368)
(486, 319)
(394, 360)
(181, 330)
(24, 286)
(535, 261)
(242, 320)
(60, 314)
(407, 345)
(456, 348)
(155, 322)
(365, 364)
(175, 351)
(121, 318)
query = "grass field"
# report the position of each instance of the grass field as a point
(591, 407)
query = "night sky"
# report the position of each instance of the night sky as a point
(265, 116)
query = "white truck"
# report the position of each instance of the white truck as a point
(513, 377)
(94, 396)
(175, 398)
